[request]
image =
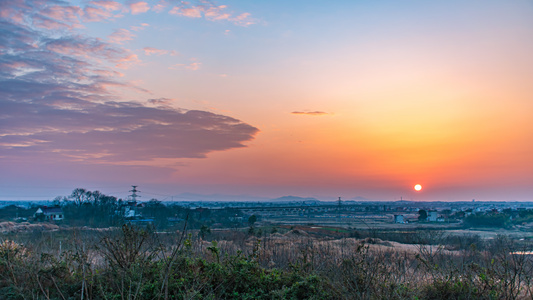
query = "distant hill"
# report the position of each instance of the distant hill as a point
(294, 199)
(217, 198)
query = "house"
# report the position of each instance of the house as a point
(399, 219)
(432, 216)
(46, 213)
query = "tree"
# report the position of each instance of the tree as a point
(204, 230)
(158, 211)
(79, 196)
(252, 219)
(422, 215)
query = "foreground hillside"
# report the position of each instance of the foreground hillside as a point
(133, 263)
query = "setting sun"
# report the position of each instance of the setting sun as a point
(418, 187)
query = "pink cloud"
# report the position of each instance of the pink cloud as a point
(84, 47)
(94, 14)
(47, 23)
(193, 12)
(194, 66)
(126, 62)
(139, 28)
(65, 13)
(215, 13)
(107, 5)
(159, 8)
(150, 50)
(120, 36)
(108, 73)
(139, 7)
(243, 19)
(13, 10)
(211, 12)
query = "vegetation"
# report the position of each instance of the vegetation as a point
(138, 263)
(487, 220)
(104, 249)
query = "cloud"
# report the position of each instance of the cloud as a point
(127, 61)
(211, 12)
(120, 36)
(243, 19)
(84, 47)
(192, 12)
(96, 14)
(161, 101)
(108, 5)
(47, 23)
(194, 66)
(112, 131)
(150, 50)
(139, 28)
(56, 105)
(68, 14)
(160, 6)
(310, 113)
(55, 14)
(139, 7)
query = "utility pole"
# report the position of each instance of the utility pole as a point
(339, 203)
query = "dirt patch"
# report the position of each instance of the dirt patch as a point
(12, 227)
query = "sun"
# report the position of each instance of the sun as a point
(418, 187)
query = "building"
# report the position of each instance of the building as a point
(46, 213)
(399, 219)
(432, 216)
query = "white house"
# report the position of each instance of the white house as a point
(50, 213)
(432, 216)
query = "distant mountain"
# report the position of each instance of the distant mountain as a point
(216, 198)
(294, 199)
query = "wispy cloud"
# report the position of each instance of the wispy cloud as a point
(191, 12)
(68, 14)
(120, 36)
(96, 14)
(160, 6)
(108, 5)
(211, 12)
(139, 28)
(161, 101)
(139, 7)
(127, 61)
(151, 51)
(310, 113)
(193, 66)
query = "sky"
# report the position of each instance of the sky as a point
(320, 99)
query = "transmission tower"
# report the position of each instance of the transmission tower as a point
(134, 192)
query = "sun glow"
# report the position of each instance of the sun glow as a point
(418, 187)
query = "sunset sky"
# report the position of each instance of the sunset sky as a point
(267, 98)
